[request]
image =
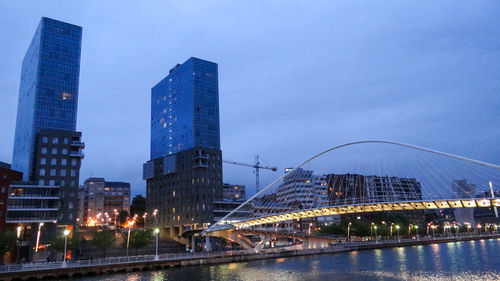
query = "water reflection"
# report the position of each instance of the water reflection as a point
(465, 261)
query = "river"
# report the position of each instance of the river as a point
(471, 260)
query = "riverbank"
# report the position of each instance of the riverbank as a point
(140, 263)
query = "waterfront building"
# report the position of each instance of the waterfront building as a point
(101, 201)
(184, 175)
(7, 176)
(234, 192)
(47, 148)
(303, 189)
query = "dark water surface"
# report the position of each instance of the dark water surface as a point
(471, 260)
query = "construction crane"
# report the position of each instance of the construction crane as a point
(256, 166)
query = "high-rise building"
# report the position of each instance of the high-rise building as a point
(47, 148)
(184, 175)
(101, 201)
(48, 93)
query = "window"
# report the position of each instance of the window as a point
(73, 162)
(40, 182)
(63, 172)
(65, 140)
(64, 151)
(54, 150)
(64, 162)
(52, 182)
(43, 161)
(70, 205)
(52, 172)
(44, 150)
(73, 173)
(63, 182)
(53, 161)
(42, 172)
(45, 140)
(55, 140)
(72, 184)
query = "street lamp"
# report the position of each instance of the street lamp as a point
(397, 227)
(376, 237)
(371, 230)
(66, 233)
(433, 232)
(416, 230)
(310, 224)
(155, 212)
(39, 233)
(130, 223)
(391, 229)
(348, 231)
(157, 231)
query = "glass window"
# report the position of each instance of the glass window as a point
(65, 140)
(54, 150)
(52, 182)
(55, 140)
(73, 162)
(53, 161)
(42, 172)
(52, 172)
(63, 172)
(73, 172)
(44, 150)
(64, 162)
(45, 140)
(40, 182)
(63, 182)
(70, 205)
(43, 161)
(64, 151)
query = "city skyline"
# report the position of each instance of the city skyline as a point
(428, 79)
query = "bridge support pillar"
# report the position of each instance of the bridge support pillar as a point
(208, 244)
(193, 244)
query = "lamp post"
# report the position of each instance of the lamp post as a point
(157, 231)
(409, 230)
(310, 224)
(348, 231)
(66, 233)
(416, 230)
(371, 230)
(155, 212)
(39, 233)
(397, 227)
(391, 229)
(18, 236)
(376, 237)
(479, 229)
(130, 223)
(433, 232)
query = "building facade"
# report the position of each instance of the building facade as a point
(47, 148)
(101, 201)
(462, 189)
(48, 93)
(7, 176)
(184, 175)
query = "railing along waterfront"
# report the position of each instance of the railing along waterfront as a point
(24, 267)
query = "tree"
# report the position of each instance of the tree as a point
(103, 240)
(122, 216)
(139, 239)
(7, 241)
(57, 244)
(138, 205)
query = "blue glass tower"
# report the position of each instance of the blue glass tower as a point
(48, 93)
(185, 109)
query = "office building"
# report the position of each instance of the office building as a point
(101, 201)
(47, 148)
(184, 175)
(7, 176)
(234, 192)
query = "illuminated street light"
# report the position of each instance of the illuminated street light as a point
(39, 233)
(130, 224)
(348, 231)
(397, 227)
(157, 231)
(376, 237)
(66, 233)
(416, 230)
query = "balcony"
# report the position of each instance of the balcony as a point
(77, 154)
(77, 144)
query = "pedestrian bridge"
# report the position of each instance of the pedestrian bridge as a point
(367, 176)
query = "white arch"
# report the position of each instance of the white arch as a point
(354, 143)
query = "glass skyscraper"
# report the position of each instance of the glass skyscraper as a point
(48, 93)
(185, 109)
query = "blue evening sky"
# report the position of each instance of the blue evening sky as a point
(295, 77)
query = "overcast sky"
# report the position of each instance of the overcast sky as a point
(295, 77)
